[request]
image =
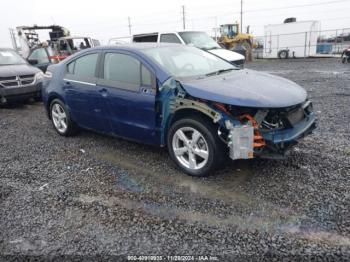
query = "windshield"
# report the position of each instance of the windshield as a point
(9, 57)
(199, 39)
(184, 61)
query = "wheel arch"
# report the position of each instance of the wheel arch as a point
(189, 113)
(49, 101)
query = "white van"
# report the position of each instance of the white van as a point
(196, 38)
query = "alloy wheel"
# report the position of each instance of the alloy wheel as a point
(190, 148)
(59, 118)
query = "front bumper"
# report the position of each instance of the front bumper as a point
(21, 92)
(286, 136)
(241, 139)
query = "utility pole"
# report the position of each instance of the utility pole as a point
(216, 28)
(13, 39)
(241, 16)
(183, 18)
(129, 25)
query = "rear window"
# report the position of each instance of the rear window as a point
(146, 38)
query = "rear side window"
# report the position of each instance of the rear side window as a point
(122, 68)
(169, 38)
(70, 68)
(146, 76)
(84, 66)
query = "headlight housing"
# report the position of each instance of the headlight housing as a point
(39, 76)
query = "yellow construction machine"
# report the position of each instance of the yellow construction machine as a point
(231, 38)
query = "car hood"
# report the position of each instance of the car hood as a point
(14, 70)
(227, 54)
(247, 88)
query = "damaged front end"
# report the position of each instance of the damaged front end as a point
(269, 133)
(247, 132)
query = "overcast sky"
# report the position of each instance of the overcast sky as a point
(104, 19)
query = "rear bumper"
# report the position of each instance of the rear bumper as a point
(15, 93)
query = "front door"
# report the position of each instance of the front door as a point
(128, 86)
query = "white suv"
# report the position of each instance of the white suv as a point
(196, 38)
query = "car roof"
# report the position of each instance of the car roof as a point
(136, 46)
(168, 32)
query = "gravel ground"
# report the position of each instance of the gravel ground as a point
(94, 195)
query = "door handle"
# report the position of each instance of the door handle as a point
(103, 92)
(146, 90)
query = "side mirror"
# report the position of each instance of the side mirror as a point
(33, 61)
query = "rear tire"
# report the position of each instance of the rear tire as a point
(195, 147)
(61, 119)
(283, 54)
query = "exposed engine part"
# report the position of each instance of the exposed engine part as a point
(270, 125)
(260, 116)
(221, 107)
(238, 111)
(259, 141)
(241, 142)
(287, 117)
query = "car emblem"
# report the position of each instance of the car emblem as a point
(18, 81)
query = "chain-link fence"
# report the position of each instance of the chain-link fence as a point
(301, 44)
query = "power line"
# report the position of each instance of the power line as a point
(218, 14)
(273, 9)
(296, 6)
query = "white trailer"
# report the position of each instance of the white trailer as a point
(291, 39)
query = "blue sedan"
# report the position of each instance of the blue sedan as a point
(201, 107)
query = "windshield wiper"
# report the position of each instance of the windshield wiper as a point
(218, 72)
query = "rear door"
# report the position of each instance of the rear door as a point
(83, 98)
(129, 88)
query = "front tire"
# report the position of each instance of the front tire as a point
(195, 147)
(61, 120)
